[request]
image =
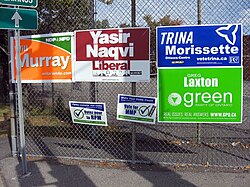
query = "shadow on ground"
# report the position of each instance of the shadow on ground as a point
(54, 172)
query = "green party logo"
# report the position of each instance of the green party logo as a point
(174, 99)
(190, 99)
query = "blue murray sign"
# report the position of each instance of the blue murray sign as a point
(200, 45)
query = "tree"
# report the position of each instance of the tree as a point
(102, 24)
(108, 2)
(65, 15)
(4, 76)
(164, 21)
(124, 25)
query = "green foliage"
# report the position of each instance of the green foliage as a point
(3, 46)
(69, 2)
(102, 24)
(60, 111)
(124, 25)
(108, 2)
(36, 111)
(4, 110)
(164, 21)
(64, 15)
(4, 66)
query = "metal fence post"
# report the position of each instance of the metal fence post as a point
(12, 102)
(199, 11)
(133, 20)
(92, 26)
(92, 84)
(20, 103)
(199, 22)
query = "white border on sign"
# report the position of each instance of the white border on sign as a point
(95, 103)
(141, 122)
(17, 5)
(41, 36)
(242, 80)
(105, 79)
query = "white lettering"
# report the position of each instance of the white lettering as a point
(173, 50)
(177, 38)
(190, 98)
(35, 62)
(201, 82)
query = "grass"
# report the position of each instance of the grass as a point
(4, 110)
(4, 116)
(37, 117)
(44, 117)
(46, 120)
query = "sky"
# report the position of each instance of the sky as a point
(212, 11)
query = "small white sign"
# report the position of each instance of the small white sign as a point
(136, 108)
(88, 113)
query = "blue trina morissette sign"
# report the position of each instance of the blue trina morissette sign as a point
(200, 45)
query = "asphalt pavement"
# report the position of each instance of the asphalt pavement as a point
(68, 173)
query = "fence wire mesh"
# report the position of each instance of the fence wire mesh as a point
(48, 126)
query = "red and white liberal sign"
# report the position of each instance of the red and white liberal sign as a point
(115, 55)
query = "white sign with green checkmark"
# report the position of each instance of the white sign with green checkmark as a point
(88, 113)
(136, 108)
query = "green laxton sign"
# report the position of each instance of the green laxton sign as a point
(25, 3)
(200, 95)
(21, 19)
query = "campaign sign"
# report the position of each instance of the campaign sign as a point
(44, 58)
(112, 55)
(200, 45)
(136, 108)
(201, 95)
(88, 113)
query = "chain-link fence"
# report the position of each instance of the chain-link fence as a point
(48, 126)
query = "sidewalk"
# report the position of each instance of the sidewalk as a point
(45, 172)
